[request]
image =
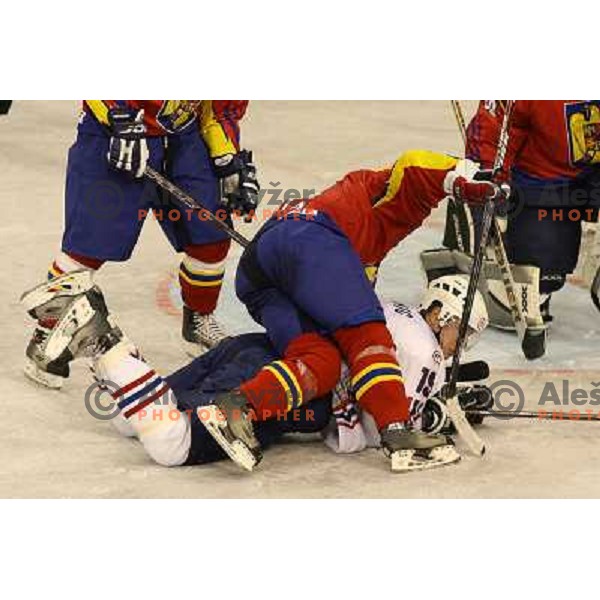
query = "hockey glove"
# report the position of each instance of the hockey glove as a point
(5, 106)
(239, 186)
(128, 149)
(473, 191)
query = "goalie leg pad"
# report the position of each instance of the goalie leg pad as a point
(442, 261)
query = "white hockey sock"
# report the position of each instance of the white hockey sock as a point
(147, 405)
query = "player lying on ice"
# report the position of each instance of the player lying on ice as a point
(303, 278)
(169, 415)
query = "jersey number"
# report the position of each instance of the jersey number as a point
(426, 382)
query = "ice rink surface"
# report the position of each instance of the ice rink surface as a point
(51, 447)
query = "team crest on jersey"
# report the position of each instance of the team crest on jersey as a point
(437, 357)
(175, 115)
(583, 132)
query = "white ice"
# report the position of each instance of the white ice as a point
(51, 447)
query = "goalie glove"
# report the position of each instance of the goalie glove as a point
(239, 185)
(128, 149)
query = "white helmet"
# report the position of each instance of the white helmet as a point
(451, 292)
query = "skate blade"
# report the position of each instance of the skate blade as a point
(412, 460)
(37, 375)
(211, 417)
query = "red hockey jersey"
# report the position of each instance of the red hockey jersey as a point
(550, 140)
(378, 209)
(218, 119)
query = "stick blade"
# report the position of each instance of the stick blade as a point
(473, 442)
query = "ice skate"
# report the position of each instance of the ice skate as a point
(200, 332)
(73, 321)
(411, 450)
(228, 420)
(46, 304)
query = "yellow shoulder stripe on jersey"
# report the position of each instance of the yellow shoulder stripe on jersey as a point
(213, 133)
(99, 109)
(423, 159)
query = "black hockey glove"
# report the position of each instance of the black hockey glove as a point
(128, 150)
(472, 399)
(5, 106)
(239, 186)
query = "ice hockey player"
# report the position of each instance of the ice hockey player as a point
(553, 166)
(303, 278)
(194, 143)
(169, 416)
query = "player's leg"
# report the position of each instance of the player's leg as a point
(143, 404)
(323, 276)
(319, 275)
(205, 247)
(548, 240)
(102, 223)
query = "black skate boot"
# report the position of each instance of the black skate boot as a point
(229, 421)
(200, 332)
(49, 374)
(412, 450)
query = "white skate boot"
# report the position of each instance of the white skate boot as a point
(73, 321)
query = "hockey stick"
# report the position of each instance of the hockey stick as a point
(542, 415)
(193, 204)
(533, 340)
(455, 412)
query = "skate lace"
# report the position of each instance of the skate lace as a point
(207, 327)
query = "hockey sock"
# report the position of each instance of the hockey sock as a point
(376, 377)
(309, 369)
(145, 405)
(201, 275)
(66, 262)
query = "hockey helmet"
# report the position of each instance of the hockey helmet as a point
(451, 292)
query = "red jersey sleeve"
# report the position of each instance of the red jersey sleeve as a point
(484, 129)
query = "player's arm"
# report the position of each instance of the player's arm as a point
(100, 109)
(484, 130)
(418, 182)
(219, 125)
